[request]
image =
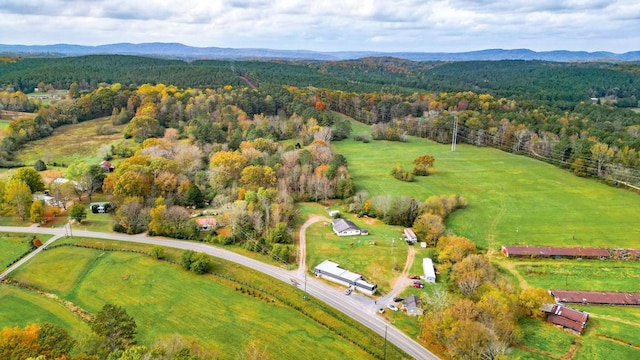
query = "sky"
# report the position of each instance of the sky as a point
(330, 25)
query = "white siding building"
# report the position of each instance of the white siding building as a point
(429, 271)
(344, 227)
(332, 271)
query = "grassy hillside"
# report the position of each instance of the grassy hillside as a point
(512, 199)
(222, 316)
(12, 246)
(71, 143)
(22, 307)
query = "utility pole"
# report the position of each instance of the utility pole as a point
(385, 341)
(305, 286)
(70, 231)
(455, 134)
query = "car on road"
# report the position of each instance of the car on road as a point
(414, 277)
(392, 307)
(348, 291)
(397, 299)
(418, 285)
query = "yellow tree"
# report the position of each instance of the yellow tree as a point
(422, 164)
(428, 228)
(18, 197)
(257, 176)
(37, 212)
(601, 154)
(227, 166)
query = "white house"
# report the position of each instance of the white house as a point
(344, 227)
(429, 271)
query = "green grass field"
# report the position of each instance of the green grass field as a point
(379, 263)
(519, 200)
(13, 246)
(70, 143)
(164, 299)
(580, 274)
(21, 307)
(512, 199)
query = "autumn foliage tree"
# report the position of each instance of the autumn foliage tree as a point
(17, 197)
(471, 273)
(36, 212)
(46, 340)
(428, 227)
(30, 177)
(530, 301)
(421, 165)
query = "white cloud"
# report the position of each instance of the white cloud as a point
(325, 25)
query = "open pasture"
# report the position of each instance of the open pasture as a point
(71, 143)
(588, 275)
(13, 246)
(21, 307)
(512, 199)
(165, 299)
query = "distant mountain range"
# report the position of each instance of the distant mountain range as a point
(180, 51)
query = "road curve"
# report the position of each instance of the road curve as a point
(350, 305)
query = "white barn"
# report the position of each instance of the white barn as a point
(429, 271)
(332, 271)
(344, 227)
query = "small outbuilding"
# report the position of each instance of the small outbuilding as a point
(206, 223)
(566, 317)
(106, 166)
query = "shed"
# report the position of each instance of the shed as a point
(566, 317)
(206, 223)
(106, 166)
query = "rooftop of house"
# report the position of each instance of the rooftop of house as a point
(342, 225)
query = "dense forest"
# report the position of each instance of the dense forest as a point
(566, 83)
(575, 115)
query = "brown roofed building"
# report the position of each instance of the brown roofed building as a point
(206, 223)
(548, 251)
(106, 166)
(596, 297)
(566, 317)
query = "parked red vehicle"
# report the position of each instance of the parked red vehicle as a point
(418, 285)
(414, 277)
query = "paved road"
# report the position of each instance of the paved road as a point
(350, 305)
